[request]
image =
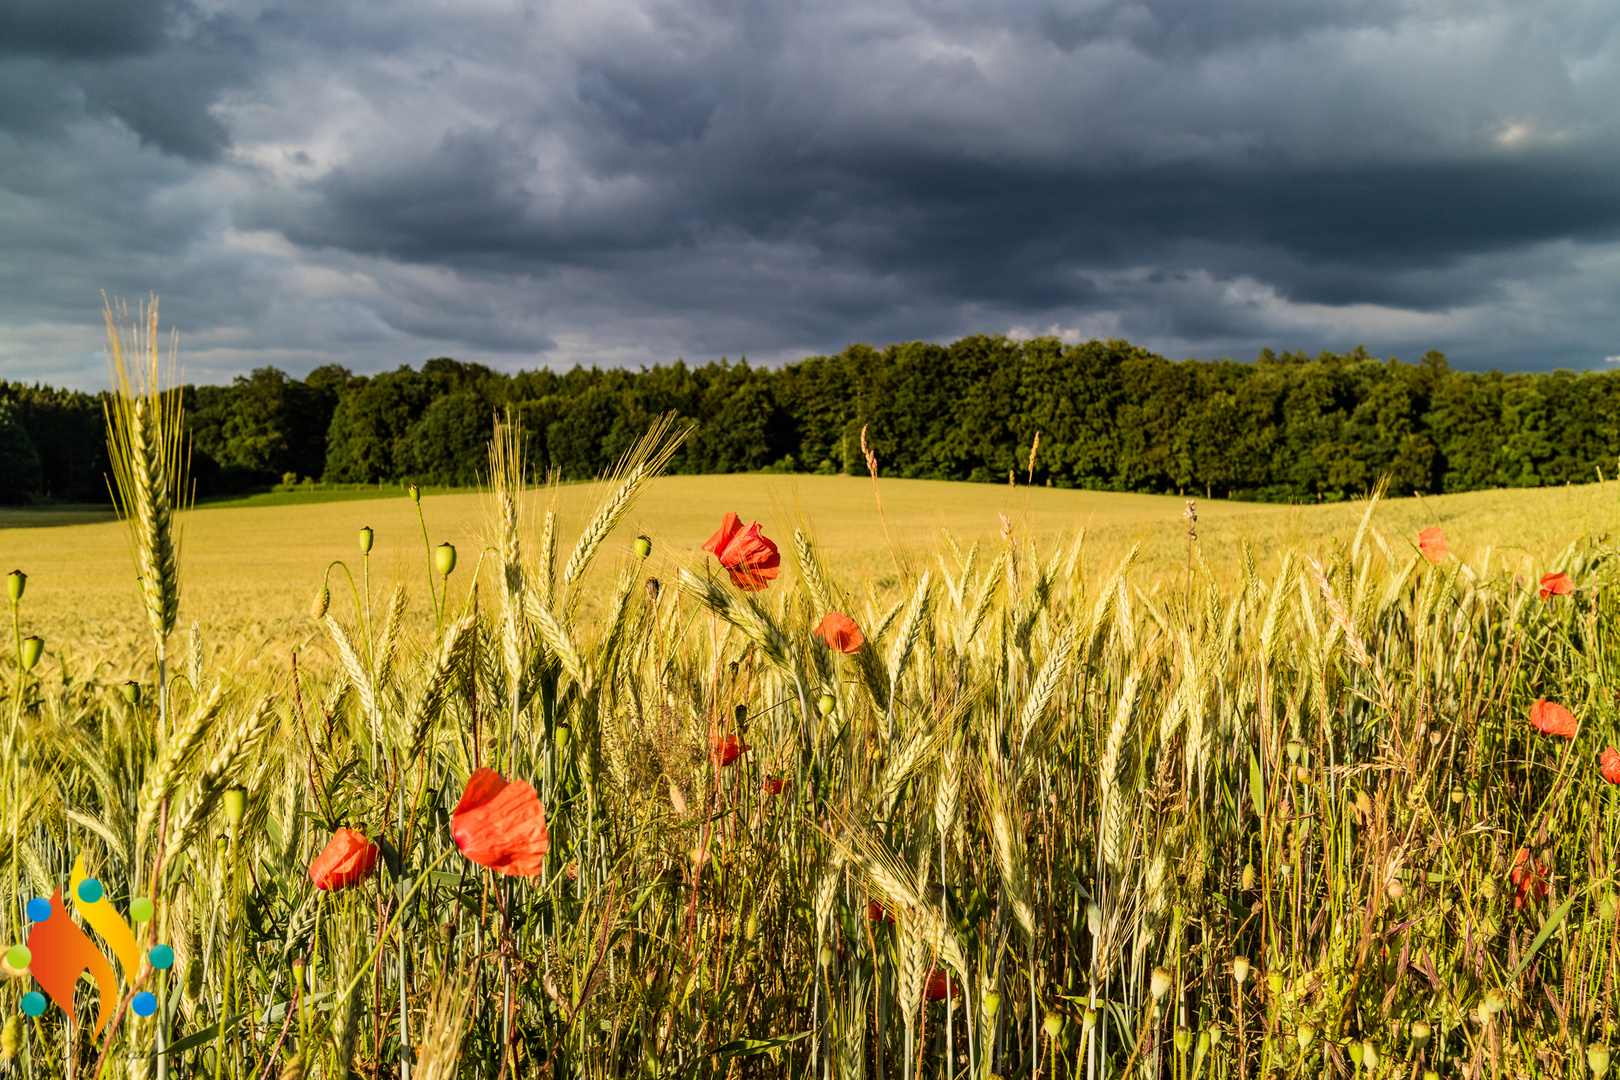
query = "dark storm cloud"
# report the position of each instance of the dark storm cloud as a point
(628, 181)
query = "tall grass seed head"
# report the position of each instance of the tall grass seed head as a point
(366, 537)
(32, 649)
(444, 559)
(16, 582)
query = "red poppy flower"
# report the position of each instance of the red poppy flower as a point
(1432, 542)
(1556, 585)
(1551, 718)
(725, 749)
(938, 982)
(749, 557)
(501, 825)
(348, 859)
(775, 785)
(1609, 761)
(878, 913)
(840, 632)
(1529, 879)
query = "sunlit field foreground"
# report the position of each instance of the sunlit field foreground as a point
(1293, 798)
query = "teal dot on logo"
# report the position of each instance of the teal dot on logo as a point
(161, 957)
(19, 957)
(90, 890)
(140, 909)
(33, 1003)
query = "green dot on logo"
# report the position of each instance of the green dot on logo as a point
(19, 957)
(140, 909)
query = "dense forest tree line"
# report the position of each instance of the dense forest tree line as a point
(1110, 416)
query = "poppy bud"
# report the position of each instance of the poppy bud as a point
(1369, 1055)
(1159, 982)
(826, 705)
(1088, 1019)
(220, 844)
(1274, 980)
(1203, 1044)
(751, 927)
(235, 805)
(16, 582)
(444, 559)
(643, 547)
(1363, 802)
(1249, 877)
(1492, 1003)
(1597, 1059)
(132, 692)
(1396, 890)
(1053, 1025)
(11, 1037)
(1240, 969)
(32, 649)
(416, 493)
(1457, 795)
(1305, 1036)
(366, 536)
(323, 600)
(1183, 1038)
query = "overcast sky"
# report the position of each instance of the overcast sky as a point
(627, 181)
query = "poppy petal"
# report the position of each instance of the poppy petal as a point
(1551, 718)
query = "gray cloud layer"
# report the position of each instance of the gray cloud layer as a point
(625, 181)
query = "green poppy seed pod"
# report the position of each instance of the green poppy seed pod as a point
(1369, 1055)
(16, 582)
(32, 649)
(416, 493)
(235, 805)
(1421, 1033)
(323, 600)
(1203, 1044)
(827, 957)
(1295, 748)
(1597, 1059)
(444, 559)
(826, 705)
(1183, 1039)
(1250, 874)
(643, 547)
(1240, 969)
(221, 844)
(1355, 1049)
(11, 1037)
(1305, 1036)
(1430, 1074)
(366, 537)
(1159, 982)
(992, 1004)
(1052, 1024)
(1093, 919)
(1216, 1034)
(1274, 980)
(1492, 1003)
(1088, 1019)
(131, 691)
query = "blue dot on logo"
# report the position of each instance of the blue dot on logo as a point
(161, 957)
(33, 1003)
(144, 1004)
(90, 890)
(39, 909)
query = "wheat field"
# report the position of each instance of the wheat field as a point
(1064, 793)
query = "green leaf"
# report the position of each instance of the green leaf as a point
(1547, 929)
(199, 1038)
(748, 1047)
(1257, 787)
